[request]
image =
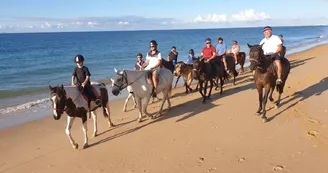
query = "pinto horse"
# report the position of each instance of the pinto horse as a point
(265, 77)
(69, 99)
(204, 73)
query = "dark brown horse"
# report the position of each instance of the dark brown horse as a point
(231, 67)
(206, 72)
(240, 60)
(265, 77)
(168, 64)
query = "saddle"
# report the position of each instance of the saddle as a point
(90, 89)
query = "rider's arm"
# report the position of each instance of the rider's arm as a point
(278, 51)
(145, 63)
(73, 80)
(238, 49)
(213, 54)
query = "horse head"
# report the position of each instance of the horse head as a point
(196, 62)
(58, 100)
(119, 82)
(256, 55)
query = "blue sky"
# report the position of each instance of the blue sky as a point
(76, 15)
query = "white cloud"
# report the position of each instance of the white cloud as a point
(46, 25)
(123, 23)
(93, 24)
(247, 15)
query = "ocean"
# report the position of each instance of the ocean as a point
(30, 62)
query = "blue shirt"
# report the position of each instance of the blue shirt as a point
(189, 61)
(221, 48)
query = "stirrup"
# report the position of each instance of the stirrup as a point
(98, 102)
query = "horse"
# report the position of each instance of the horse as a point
(204, 73)
(185, 70)
(231, 67)
(265, 77)
(241, 56)
(69, 99)
(138, 80)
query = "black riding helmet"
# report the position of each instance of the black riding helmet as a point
(191, 51)
(153, 42)
(78, 58)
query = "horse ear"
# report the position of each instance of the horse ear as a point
(115, 70)
(62, 86)
(250, 46)
(50, 88)
(262, 45)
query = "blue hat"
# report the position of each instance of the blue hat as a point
(267, 28)
(208, 39)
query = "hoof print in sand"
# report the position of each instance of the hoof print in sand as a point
(241, 160)
(200, 159)
(278, 168)
(313, 121)
(210, 170)
(313, 133)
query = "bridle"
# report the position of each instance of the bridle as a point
(125, 83)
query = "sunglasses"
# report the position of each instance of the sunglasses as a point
(208, 42)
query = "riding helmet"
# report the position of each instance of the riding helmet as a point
(78, 58)
(191, 51)
(153, 42)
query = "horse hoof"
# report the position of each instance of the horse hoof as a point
(264, 120)
(276, 106)
(95, 135)
(76, 146)
(271, 99)
(258, 113)
(85, 146)
(124, 110)
(111, 124)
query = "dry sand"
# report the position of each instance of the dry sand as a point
(223, 135)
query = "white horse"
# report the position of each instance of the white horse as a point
(69, 99)
(142, 89)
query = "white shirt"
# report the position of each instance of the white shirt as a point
(153, 60)
(270, 45)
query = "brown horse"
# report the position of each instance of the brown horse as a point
(205, 73)
(240, 60)
(168, 65)
(185, 70)
(265, 77)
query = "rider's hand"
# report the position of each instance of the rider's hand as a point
(72, 84)
(83, 84)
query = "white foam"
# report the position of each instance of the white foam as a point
(28, 105)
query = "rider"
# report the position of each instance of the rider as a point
(173, 55)
(209, 52)
(235, 50)
(221, 51)
(272, 46)
(191, 56)
(82, 75)
(139, 63)
(153, 63)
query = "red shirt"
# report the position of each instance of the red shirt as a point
(208, 52)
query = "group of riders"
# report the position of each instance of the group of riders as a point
(271, 45)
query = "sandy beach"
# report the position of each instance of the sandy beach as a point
(222, 136)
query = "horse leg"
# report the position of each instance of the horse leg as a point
(270, 94)
(107, 109)
(70, 121)
(201, 89)
(126, 102)
(260, 92)
(186, 87)
(221, 84)
(165, 96)
(139, 108)
(95, 127)
(197, 85)
(264, 102)
(145, 102)
(176, 82)
(211, 86)
(280, 90)
(85, 132)
(134, 100)
(205, 91)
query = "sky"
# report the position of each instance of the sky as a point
(105, 15)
